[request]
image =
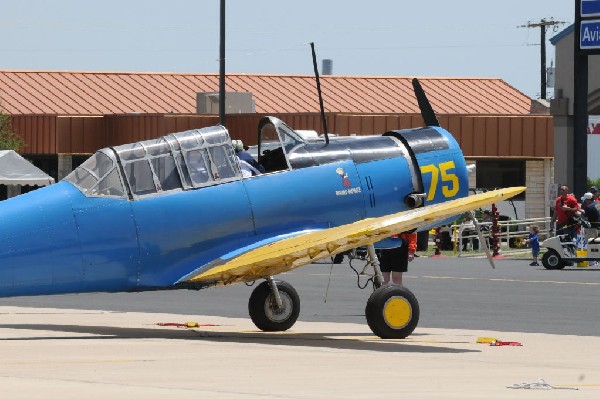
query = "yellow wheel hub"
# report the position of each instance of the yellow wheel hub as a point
(397, 312)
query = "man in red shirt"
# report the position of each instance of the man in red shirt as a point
(565, 208)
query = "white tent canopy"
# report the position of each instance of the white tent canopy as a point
(16, 170)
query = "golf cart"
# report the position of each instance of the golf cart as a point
(562, 249)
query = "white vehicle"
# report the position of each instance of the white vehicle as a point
(562, 251)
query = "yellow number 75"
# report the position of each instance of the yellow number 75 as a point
(450, 180)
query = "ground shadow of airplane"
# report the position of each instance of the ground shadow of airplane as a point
(352, 341)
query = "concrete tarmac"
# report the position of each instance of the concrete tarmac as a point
(58, 353)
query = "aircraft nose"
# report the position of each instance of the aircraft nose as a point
(38, 241)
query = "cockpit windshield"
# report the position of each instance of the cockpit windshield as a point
(98, 176)
(179, 161)
(278, 133)
(275, 141)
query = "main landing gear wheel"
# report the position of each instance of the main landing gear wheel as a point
(552, 261)
(264, 311)
(392, 311)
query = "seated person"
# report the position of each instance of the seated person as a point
(248, 165)
(238, 147)
(247, 169)
(467, 229)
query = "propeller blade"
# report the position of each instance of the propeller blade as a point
(482, 240)
(426, 110)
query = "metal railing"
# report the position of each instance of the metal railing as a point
(509, 234)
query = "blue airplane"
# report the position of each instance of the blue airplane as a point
(176, 213)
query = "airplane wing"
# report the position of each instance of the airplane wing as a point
(290, 253)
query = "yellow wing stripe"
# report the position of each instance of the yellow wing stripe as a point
(290, 253)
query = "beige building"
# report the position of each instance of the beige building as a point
(561, 107)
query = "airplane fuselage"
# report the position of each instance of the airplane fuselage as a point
(59, 239)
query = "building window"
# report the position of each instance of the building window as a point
(493, 174)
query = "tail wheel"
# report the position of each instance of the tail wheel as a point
(552, 260)
(264, 311)
(392, 311)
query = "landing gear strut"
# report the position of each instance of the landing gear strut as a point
(392, 311)
(274, 305)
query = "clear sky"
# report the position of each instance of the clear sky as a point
(458, 38)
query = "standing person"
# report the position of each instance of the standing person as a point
(565, 207)
(533, 241)
(394, 261)
(592, 214)
(594, 191)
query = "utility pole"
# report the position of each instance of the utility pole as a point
(543, 25)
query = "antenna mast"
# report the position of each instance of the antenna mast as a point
(323, 119)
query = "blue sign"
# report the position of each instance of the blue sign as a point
(590, 8)
(590, 35)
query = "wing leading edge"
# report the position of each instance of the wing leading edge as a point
(290, 253)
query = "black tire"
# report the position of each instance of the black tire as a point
(392, 311)
(262, 308)
(339, 258)
(552, 260)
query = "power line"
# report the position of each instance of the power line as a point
(543, 25)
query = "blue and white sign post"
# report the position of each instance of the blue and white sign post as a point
(586, 43)
(590, 34)
(590, 8)
(587, 25)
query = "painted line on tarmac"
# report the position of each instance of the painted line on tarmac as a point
(505, 280)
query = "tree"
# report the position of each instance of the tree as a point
(9, 140)
(594, 182)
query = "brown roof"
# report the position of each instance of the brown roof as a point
(101, 93)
